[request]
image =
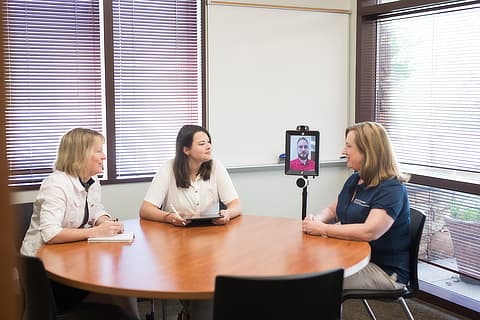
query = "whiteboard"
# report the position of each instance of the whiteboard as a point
(270, 70)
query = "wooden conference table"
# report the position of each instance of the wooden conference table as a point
(168, 262)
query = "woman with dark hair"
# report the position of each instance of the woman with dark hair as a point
(191, 184)
(372, 206)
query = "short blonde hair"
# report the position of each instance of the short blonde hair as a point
(75, 146)
(379, 164)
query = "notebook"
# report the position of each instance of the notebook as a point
(120, 237)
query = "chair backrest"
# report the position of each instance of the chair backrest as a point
(417, 221)
(23, 213)
(39, 302)
(308, 296)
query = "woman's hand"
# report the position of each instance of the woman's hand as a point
(233, 210)
(224, 219)
(314, 227)
(176, 219)
(107, 228)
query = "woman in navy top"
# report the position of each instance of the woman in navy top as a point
(372, 206)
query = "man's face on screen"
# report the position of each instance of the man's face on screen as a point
(302, 149)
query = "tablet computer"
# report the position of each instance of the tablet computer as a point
(204, 218)
(302, 152)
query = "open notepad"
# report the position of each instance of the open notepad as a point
(120, 237)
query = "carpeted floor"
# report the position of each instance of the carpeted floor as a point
(351, 310)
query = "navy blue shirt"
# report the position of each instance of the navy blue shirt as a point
(391, 251)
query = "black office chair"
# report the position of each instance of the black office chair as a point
(308, 296)
(23, 214)
(39, 302)
(417, 221)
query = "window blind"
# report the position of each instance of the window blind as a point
(427, 89)
(157, 76)
(448, 211)
(52, 80)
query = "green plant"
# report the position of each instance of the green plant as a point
(462, 212)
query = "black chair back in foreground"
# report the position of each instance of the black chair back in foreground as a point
(417, 221)
(23, 213)
(39, 302)
(307, 296)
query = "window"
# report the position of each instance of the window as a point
(53, 80)
(157, 80)
(418, 74)
(130, 69)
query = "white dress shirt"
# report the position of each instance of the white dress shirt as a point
(202, 197)
(60, 204)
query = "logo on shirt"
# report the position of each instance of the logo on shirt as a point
(361, 203)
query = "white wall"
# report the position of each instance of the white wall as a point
(262, 190)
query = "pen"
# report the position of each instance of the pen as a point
(116, 220)
(176, 212)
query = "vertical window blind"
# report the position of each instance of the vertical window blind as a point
(157, 80)
(53, 80)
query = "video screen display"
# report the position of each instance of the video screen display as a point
(301, 153)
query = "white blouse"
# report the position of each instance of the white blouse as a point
(202, 197)
(60, 203)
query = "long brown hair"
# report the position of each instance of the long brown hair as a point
(180, 163)
(379, 164)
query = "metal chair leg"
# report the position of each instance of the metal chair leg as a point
(164, 309)
(151, 315)
(369, 309)
(405, 308)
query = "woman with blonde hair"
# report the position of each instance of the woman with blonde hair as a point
(68, 208)
(372, 206)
